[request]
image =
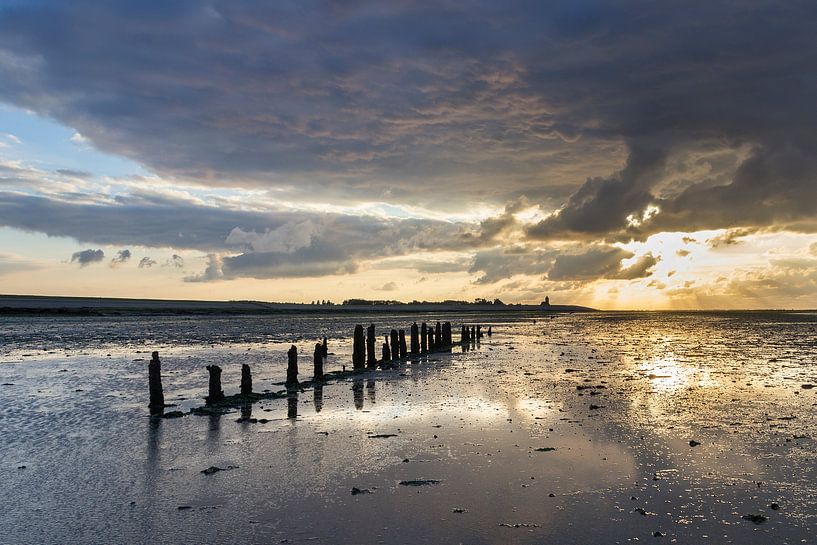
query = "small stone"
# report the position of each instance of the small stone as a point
(184, 507)
(657, 534)
(356, 491)
(774, 506)
(693, 443)
(755, 518)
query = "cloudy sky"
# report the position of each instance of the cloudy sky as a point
(617, 154)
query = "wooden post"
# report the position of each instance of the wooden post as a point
(464, 334)
(386, 352)
(415, 339)
(215, 393)
(447, 334)
(246, 380)
(424, 339)
(292, 366)
(371, 340)
(358, 349)
(395, 345)
(432, 345)
(479, 332)
(403, 349)
(472, 336)
(317, 374)
(438, 336)
(489, 331)
(325, 348)
(157, 396)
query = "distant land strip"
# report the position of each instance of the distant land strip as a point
(38, 305)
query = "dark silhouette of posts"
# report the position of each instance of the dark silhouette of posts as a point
(371, 341)
(479, 332)
(292, 366)
(359, 349)
(415, 339)
(215, 393)
(395, 345)
(157, 396)
(473, 335)
(438, 336)
(317, 373)
(447, 341)
(424, 339)
(403, 349)
(464, 335)
(246, 380)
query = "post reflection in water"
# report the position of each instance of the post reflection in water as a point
(370, 390)
(357, 393)
(292, 403)
(213, 432)
(318, 396)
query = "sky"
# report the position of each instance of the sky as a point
(633, 154)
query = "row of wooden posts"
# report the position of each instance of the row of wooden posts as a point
(424, 339)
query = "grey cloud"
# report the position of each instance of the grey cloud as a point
(602, 262)
(86, 257)
(388, 286)
(571, 264)
(211, 273)
(122, 256)
(176, 261)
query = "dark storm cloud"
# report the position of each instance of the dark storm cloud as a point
(86, 257)
(386, 100)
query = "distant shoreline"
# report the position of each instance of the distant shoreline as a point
(22, 305)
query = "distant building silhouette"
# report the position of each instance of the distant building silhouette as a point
(546, 302)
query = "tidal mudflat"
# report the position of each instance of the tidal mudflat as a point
(568, 428)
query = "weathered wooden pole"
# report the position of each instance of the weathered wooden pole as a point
(386, 352)
(438, 336)
(464, 334)
(415, 339)
(371, 341)
(473, 335)
(403, 349)
(292, 366)
(317, 374)
(432, 344)
(489, 331)
(424, 339)
(447, 334)
(479, 332)
(395, 345)
(157, 396)
(215, 393)
(325, 348)
(246, 380)
(358, 348)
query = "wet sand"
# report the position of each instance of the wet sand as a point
(575, 429)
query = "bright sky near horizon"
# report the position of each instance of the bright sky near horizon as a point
(617, 155)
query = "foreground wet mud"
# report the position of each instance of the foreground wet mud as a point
(607, 428)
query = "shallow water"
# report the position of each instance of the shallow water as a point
(98, 470)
